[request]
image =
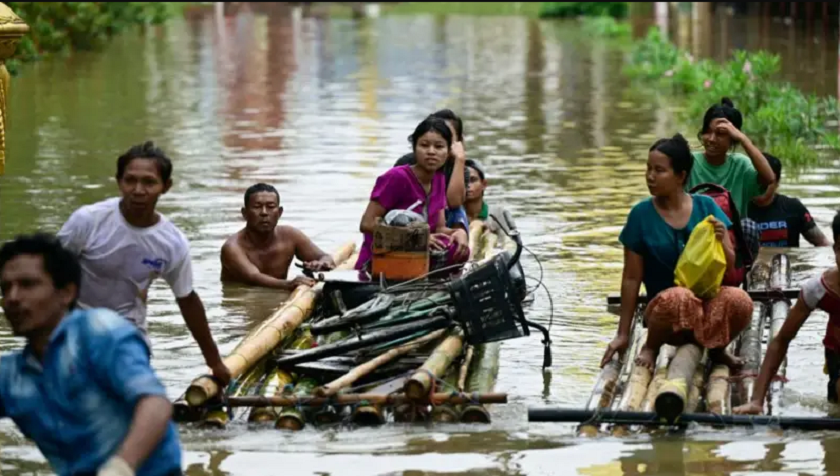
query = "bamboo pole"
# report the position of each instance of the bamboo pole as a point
(672, 398)
(356, 398)
(482, 379)
(349, 378)
(717, 395)
(698, 383)
(280, 325)
(636, 388)
(447, 413)
(779, 279)
(465, 367)
(291, 418)
(420, 384)
(605, 388)
(666, 353)
(749, 346)
(182, 412)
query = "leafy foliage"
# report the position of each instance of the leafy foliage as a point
(587, 9)
(60, 27)
(777, 116)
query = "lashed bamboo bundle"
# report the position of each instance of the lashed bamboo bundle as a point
(220, 417)
(290, 417)
(349, 378)
(279, 326)
(278, 382)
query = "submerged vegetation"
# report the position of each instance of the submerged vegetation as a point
(778, 117)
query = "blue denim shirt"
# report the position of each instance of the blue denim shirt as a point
(78, 406)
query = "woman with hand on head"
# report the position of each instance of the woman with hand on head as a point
(400, 188)
(654, 236)
(745, 176)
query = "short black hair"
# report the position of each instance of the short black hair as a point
(475, 165)
(775, 165)
(146, 150)
(448, 115)
(678, 150)
(260, 187)
(59, 263)
(835, 227)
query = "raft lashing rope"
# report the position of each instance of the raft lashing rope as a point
(384, 350)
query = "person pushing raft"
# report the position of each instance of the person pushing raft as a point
(261, 253)
(124, 244)
(656, 232)
(819, 292)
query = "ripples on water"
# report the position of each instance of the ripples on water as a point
(319, 108)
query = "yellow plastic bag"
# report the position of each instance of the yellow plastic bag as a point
(702, 263)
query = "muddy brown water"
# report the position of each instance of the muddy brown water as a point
(319, 108)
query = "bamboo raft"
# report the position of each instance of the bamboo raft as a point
(684, 381)
(433, 377)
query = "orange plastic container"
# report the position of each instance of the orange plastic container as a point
(400, 253)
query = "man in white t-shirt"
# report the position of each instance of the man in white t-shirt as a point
(123, 245)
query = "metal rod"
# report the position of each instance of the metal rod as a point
(572, 415)
(352, 399)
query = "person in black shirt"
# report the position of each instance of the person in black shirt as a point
(781, 219)
(454, 170)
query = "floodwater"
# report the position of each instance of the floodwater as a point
(319, 108)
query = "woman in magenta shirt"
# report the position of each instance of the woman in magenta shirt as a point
(402, 187)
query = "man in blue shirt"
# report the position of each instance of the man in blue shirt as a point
(82, 388)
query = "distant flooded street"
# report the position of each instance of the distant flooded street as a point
(319, 108)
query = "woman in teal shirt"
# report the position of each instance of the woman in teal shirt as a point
(654, 236)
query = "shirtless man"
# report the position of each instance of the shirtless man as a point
(261, 253)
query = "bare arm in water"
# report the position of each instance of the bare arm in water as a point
(236, 262)
(776, 352)
(195, 317)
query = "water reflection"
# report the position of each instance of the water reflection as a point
(319, 107)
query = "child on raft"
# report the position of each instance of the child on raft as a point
(819, 292)
(400, 188)
(654, 236)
